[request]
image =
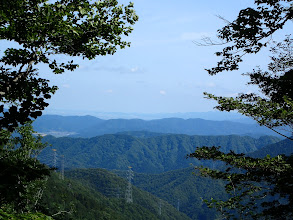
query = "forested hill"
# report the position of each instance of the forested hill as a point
(170, 187)
(149, 155)
(88, 126)
(98, 194)
(282, 147)
(185, 187)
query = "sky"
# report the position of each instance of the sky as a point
(163, 70)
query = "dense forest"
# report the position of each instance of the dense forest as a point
(149, 155)
(99, 194)
(183, 189)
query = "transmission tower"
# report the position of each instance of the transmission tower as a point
(160, 207)
(62, 168)
(54, 158)
(128, 193)
(118, 192)
(178, 205)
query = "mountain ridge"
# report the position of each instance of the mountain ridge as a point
(89, 126)
(282, 147)
(151, 154)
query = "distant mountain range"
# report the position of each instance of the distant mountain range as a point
(155, 153)
(211, 115)
(89, 126)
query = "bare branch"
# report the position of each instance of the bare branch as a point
(207, 41)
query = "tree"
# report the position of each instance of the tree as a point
(251, 31)
(42, 30)
(259, 188)
(22, 174)
(273, 107)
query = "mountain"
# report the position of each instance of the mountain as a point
(89, 126)
(184, 189)
(113, 186)
(147, 155)
(281, 147)
(211, 115)
(174, 126)
(57, 125)
(85, 196)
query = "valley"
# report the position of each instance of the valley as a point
(163, 179)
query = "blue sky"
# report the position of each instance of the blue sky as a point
(163, 70)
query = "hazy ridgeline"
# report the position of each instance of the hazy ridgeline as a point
(89, 126)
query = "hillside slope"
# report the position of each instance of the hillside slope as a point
(184, 189)
(75, 199)
(144, 206)
(147, 155)
(281, 147)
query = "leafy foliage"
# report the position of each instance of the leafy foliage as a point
(22, 175)
(26, 216)
(274, 108)
(42, 30)
(259, 188)
(250, 31)
(250, 179)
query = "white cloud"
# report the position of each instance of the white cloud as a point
(109, 91)
(66, 86)
(163, 92)
(211, 85)
(120, 69)
(134, 69)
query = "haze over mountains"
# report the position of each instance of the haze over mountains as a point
(211, 115)
(89, 126)
(156, 150)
